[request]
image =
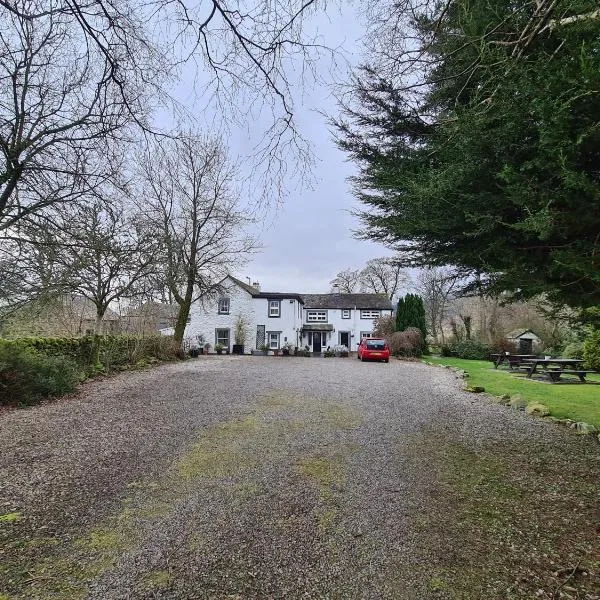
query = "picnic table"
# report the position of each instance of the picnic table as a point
(554, 373)
(512, 360)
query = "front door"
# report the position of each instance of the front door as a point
(525, 346)
(345, 339)
(316, 336)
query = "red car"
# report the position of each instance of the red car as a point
(373, 349)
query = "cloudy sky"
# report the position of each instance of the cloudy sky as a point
(308, 238)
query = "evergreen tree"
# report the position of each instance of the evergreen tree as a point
(483, 152)
(410, 312)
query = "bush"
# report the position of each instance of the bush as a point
(571, 350)
(591, 350)
(27, 376)
(406, 343)
(468, 349)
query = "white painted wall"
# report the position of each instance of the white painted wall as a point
(355, 325)
(205, 319)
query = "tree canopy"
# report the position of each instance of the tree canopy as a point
(479, 145)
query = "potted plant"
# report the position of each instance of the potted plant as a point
(262, 351)
(206, 348)
(219, 348)
(341, 351)
(240, 333)
(287, 349)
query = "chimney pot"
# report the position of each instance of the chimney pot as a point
(256, 285)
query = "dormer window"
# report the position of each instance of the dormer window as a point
(224, 306)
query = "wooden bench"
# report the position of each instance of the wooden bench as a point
(554, 374)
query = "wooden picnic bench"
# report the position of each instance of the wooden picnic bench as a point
(512, 360)
(554, 373)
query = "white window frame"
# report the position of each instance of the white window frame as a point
(316, 316)
(369, 313)
(273, 339)
(274, 308)
(346, 313)
(366, 334)
(222, 310)
(223, 340)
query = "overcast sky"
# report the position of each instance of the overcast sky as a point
(309, 238)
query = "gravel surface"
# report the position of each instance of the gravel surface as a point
(276, 477)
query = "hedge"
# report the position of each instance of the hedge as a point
(32, 368)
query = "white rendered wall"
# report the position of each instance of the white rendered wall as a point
(205, 320)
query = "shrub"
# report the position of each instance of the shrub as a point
(500, 345)
(469, 349)
(591, 350)
(27, 376)
(571, 350)
(384, 327)
(406, 343)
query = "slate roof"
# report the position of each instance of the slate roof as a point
(271, 295)
(373, 301)
(517, 333)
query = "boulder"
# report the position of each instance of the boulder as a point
(517, 403)
(474, 389)
(537, 409)
(583, 428)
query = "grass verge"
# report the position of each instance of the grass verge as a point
(577, 402)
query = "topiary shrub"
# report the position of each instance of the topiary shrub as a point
(26, 376)
(591, 350)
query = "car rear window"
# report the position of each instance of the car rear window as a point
(375, 344)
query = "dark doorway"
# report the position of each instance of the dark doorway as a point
(525, 346)
(345, 339)
(316, 341)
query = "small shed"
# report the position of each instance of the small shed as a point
(525, 340)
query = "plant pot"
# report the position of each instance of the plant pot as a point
(194, 352)
(258, 353)
(219, 351)
(237, 349)
(285, 352)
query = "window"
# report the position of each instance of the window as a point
(273, 340)
(375, 344)
(346, 313)
(370, 314)
(274, 308)
(222, 337)
(365, 334)
(224, 306)
(316, 315)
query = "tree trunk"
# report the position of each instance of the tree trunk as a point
(97, 342)
(182, 317)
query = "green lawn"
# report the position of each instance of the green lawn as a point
(577, 402)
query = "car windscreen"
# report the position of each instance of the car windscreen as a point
(375, 344)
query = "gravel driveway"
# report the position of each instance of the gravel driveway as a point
(269, 477)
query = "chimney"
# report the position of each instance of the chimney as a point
(336, 289)
(256, 285)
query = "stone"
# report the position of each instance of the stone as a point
(537, 409)
(584, 428)
(517, 403)
(475, 389)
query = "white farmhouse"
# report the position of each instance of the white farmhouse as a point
(276, 318)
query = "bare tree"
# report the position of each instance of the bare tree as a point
(346, 281)
(437, 286)
(192, 207)
(245, 54)
(383, 276)
(60, 106)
